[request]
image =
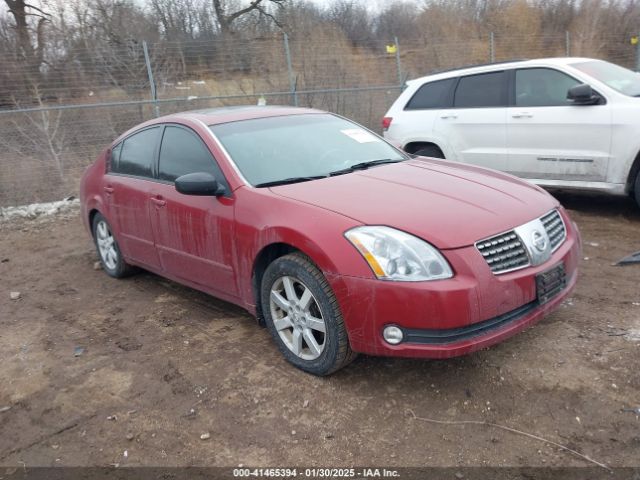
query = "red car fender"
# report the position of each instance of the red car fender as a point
(281, 235)
(91, 191)
(317, 233)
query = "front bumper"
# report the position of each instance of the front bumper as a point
(448, 318)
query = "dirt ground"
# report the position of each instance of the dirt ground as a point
(164, 364)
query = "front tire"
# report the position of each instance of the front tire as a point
(108, 250)
(303, 316)
(636, 189)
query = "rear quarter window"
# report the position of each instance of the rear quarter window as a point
(432, 95)
(112, 164)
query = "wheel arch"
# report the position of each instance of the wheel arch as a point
(265, 257)
(90, 216)
(414, 146)
(280, 241)
(89, 207)
(634, 171)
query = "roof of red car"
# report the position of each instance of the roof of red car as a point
(212, 116)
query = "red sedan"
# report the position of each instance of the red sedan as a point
(335, 240)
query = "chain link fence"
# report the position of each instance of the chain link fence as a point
(55, 117)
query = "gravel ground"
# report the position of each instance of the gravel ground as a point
(174, 377)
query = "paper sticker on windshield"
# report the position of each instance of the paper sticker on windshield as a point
(360, 136)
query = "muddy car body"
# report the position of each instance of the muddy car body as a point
(335, 239)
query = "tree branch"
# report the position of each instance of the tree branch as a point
(252, 6)
(37, 9)
(271, 16)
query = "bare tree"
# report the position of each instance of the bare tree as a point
(181, 19)
(49, 141)
(28, 51)
(226, 18)
(21, 10)
(398, 19)
(354, 19)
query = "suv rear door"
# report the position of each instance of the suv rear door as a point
(475, 127)
(418, 116)
(550, 138)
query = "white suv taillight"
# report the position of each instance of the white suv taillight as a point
(386, 123)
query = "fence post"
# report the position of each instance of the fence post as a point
(567, 43)
(152, 83)
(292, 80)
(398, 64)
(492, 48)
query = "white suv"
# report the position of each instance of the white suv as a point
(559, 122)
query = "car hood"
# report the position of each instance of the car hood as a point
(448, 204)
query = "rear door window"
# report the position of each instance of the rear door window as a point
(483, 90)
(432, 95)
(137, 154)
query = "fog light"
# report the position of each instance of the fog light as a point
(392, 335)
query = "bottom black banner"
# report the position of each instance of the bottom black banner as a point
(427, 473)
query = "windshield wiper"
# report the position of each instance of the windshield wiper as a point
(286, 181)
(352, 168)
(363, 166)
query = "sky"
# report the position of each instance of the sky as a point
(376, 5)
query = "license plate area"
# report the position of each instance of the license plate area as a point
(550, 282)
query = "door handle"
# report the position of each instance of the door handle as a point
(158, 201)
(108, 189)
(448, 115)
(522, 115)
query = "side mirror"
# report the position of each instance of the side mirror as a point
(582, 95)
(199, 183)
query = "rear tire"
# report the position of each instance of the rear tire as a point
(108, 250)
(303, 316)
(429, 151)
(636, 189)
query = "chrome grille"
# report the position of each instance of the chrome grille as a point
(507, 252)
(554, 226)
(504, 252)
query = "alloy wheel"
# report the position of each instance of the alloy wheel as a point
(297, 317)
(106, 245)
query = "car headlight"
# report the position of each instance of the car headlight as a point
(396, 255)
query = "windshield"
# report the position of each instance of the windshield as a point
(300, 147)
(620, 79)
